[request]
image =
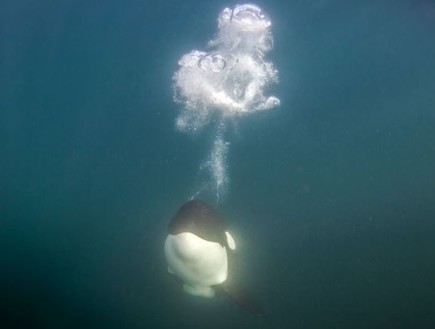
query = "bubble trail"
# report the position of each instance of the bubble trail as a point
(227, 81)
(216, 164)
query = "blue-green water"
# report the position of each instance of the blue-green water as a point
(331, 196)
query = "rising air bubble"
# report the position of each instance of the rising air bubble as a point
(212, 63)
(227, 81)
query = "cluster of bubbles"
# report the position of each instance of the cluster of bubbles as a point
(228, 81)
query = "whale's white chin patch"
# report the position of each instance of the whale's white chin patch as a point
(199, 290)
(198, 262)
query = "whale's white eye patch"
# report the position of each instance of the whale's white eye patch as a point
(231, 242)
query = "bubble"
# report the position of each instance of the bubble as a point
(216, 165)
(228, 81)
(212, 63)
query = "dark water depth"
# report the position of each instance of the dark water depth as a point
(331, 197)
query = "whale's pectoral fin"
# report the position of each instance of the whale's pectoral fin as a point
(239, 295)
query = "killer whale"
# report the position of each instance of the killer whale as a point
(198, 250)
